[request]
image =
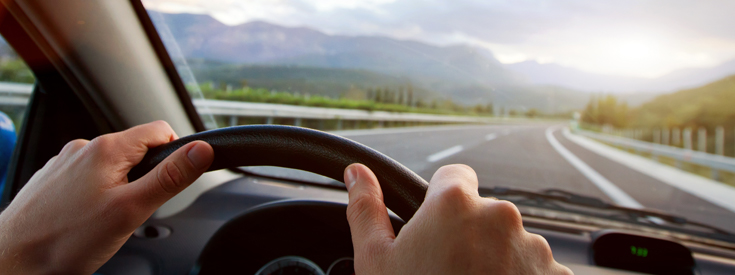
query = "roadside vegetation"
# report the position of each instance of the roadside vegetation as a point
(378, 99)
(707, 107)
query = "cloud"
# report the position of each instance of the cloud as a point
(623, 37)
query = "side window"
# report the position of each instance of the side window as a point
(16, 85)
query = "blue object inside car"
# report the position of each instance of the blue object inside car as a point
(7, 144)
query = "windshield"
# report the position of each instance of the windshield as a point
(629, 102)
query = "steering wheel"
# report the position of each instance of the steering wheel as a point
(300, 148)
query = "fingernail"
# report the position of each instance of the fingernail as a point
(198, 155)
(351, 177)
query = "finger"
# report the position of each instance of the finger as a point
(173, 174)
(366, 212)
(454, 176)
(133, 143)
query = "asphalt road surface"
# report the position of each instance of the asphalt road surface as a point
(522, 156)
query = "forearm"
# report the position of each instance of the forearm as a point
(23, 253)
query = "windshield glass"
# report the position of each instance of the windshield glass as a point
(16, 87)
(630, 102)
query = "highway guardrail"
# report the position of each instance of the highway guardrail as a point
(17, 94)
(714, 162)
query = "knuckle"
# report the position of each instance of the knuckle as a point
(74, 145)
(507, 214)
(455, 197)
(539, 244)
(170, 177)
(455, 168)
(104, 144)
(162, 125)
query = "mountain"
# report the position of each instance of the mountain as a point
(201, 36)
(707, 106)
(553, 74)
(296, 58)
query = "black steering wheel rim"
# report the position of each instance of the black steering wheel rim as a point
(300, 148)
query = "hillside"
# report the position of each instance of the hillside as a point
(304, 60)
(303, 80)
(553, 74)
(708, 106)
(201, 36)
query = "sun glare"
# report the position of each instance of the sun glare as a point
(635, 50)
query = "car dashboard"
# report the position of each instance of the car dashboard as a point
(251, 224)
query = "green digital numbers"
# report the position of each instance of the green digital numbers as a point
(639, 251)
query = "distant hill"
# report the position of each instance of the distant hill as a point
(553, 74)
(708, 106)
(201, 36)
(305, 60)
(303, 80)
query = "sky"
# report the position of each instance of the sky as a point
(639, 38)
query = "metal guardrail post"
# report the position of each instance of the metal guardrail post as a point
(715, 163)
(720, 141)
(233, 120)
(702, 139)
(715, 174)
(269, 120)
(339, 124)
(688, 138)
(297, 121)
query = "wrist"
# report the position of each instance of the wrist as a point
(21, 252)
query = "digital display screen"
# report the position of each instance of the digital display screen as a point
(642, 254)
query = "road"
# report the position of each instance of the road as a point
(521, 156)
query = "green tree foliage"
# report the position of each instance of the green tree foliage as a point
(15, 70)
(532, 113)
(708, 106)
(381, 101)
(606, 110)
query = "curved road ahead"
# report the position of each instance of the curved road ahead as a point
(522, 156)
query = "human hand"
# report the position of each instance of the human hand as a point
(455, 231)
(79, 209)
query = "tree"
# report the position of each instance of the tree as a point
(400, 96)
(409, 95)
(369, 95)
(606, 110)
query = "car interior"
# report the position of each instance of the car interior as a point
(102, 67)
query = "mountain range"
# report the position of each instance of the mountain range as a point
(463, 73)
(553, 74)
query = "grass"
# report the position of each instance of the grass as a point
(248, 94)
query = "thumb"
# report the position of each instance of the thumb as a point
(366, 212)
(174, 173)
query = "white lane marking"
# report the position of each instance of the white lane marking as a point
(491, 136)
(445, 153)
(611, 190)
(712, 191)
